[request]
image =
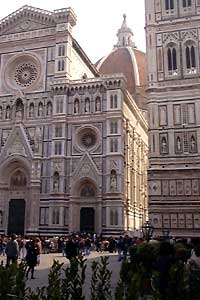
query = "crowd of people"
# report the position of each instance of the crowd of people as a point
(73, 245)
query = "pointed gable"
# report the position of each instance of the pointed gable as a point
(86, 168)
(17, 144)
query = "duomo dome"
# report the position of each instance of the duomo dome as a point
(127, 59)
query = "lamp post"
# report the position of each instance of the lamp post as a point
(147, 230)
(165, 232)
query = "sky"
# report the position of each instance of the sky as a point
(97, 21)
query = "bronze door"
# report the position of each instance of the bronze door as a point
(16, 216)
(87, 219)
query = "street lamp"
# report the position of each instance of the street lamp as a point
(147, 230)
(166, 232)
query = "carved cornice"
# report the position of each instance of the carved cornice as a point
(41, 16)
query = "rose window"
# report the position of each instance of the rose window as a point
(88, 139)
(25, 74)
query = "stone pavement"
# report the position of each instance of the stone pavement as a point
(41, 271)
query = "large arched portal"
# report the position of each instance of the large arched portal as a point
(87, 214)
(17, 207)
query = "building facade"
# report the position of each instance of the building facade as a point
(73, 153)
(173, 35)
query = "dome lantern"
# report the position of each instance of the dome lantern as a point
(125, 36)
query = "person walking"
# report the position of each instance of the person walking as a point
(12, 250)
(70, 249)
(31, 257)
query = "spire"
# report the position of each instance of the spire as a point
(125, 35)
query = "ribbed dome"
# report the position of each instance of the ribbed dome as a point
(126, 59)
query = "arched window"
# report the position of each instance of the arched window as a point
(172, 60)
(190, 57)
(61, 50)
(114, 217)
(40, 109)
(111, 101)
(114, 145)
(115, 101)
(61, 65)
(187, 3)
(8, 112)
(188, 60)
(31, 110)
(56, 215)
(49, 108)
(169, 4)
(56, 179)
(76, 106)
(193, 58)
(113, 127)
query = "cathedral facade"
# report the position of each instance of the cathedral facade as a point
(73, 153)
(173, 35)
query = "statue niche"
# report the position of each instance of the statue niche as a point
(19, 111)
(18, 180)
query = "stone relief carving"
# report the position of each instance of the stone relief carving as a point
(170, 37)
(114, 165)
(17, 147)
(18, 179)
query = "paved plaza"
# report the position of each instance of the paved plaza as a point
(41, 271)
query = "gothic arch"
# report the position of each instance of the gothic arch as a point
(172, 59)
(85, 188)
(12, 165)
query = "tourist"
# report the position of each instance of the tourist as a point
(70, 249)
(12, 250)
(32, 249)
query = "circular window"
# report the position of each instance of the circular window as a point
(87, 138)
(25, 74)
(23, 71)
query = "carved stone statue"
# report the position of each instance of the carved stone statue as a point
(178, 144)
(164, 145)
(113, 181)
(49, 109)
(76, 107)
(8, 114)
(98, 105)
(87, 105)
(38, 140)
(56, 182)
